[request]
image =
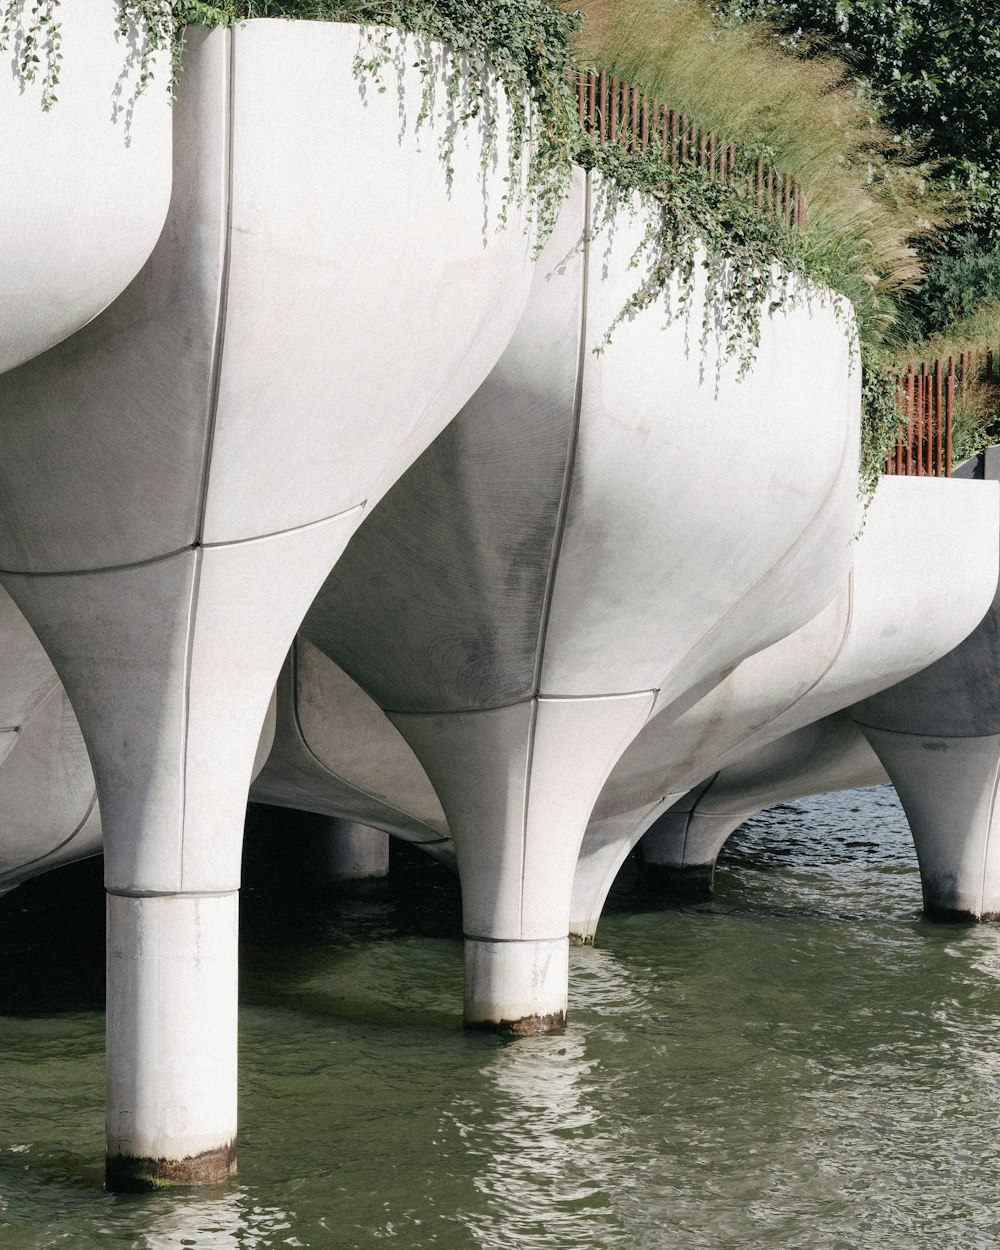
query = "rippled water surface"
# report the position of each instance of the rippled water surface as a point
(804, 1063)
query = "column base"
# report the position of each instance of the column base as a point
(172, 1009)
(124, 1174)
(674, 883)
(354, 853)
(516, 988)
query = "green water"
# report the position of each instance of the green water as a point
(802, 1063)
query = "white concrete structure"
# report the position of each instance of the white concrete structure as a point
(355, 852)
(889, 621)
(938, 737)
(557, 568)
(336, 753)
(84, 188)
(48, 803)
(180, 476)
(827, 755)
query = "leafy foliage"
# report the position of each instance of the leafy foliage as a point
(864, 203)
(963, 280)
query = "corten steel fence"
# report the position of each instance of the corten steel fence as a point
(928, 396)
(613, 111)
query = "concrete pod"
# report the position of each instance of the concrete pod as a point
(558, 566)
(179, 477)
(937, 734)
(888, 621)
(85, 185)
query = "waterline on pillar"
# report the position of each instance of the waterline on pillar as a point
(172, 973)
(125, 1174)
(517, 988)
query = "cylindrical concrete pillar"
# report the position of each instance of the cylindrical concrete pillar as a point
(516, 987)
(171, 1040)
(353, 852)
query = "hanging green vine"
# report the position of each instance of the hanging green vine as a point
(35, 38)
(694, 222)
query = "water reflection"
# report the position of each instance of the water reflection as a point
(229, 1222)
(543, 1150)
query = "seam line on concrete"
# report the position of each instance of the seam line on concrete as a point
(101, 568)
(571, 450)
(916, 733)
(186, 723)
(292, 529)
(989, 830)
(222, 296)
(169, 893)
(496, 941)
(40, 702)
(60, 845)
(703, 788)
(499, 707)
(170, 555)
(525, 804)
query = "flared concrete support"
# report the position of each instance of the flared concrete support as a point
(680, 849)
(888, 620)
(938, 736)
(605, 847)
(517, 785)
(560, 545)
(180, 475)
(170, 666)
(171, 1040)
(85, 184)
(353, 852)
(948, 788)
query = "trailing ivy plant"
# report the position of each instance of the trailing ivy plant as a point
(528, 45)
(692, 222)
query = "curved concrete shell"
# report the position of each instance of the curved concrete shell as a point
(179, 477)
(85, 184)
(336, 753)
(557, 567)
(48, 807)
(937, 735)
(828, 755)
(888, 621)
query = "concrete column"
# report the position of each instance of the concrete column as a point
(171, 1036)
(517, 785)
(353, 852)
(181, 475)
(679, 852)
(948, 788)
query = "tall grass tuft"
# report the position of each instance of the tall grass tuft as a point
(868, 202)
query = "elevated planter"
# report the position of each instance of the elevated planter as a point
(595, 540)
(85, 185)
(179, 477)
